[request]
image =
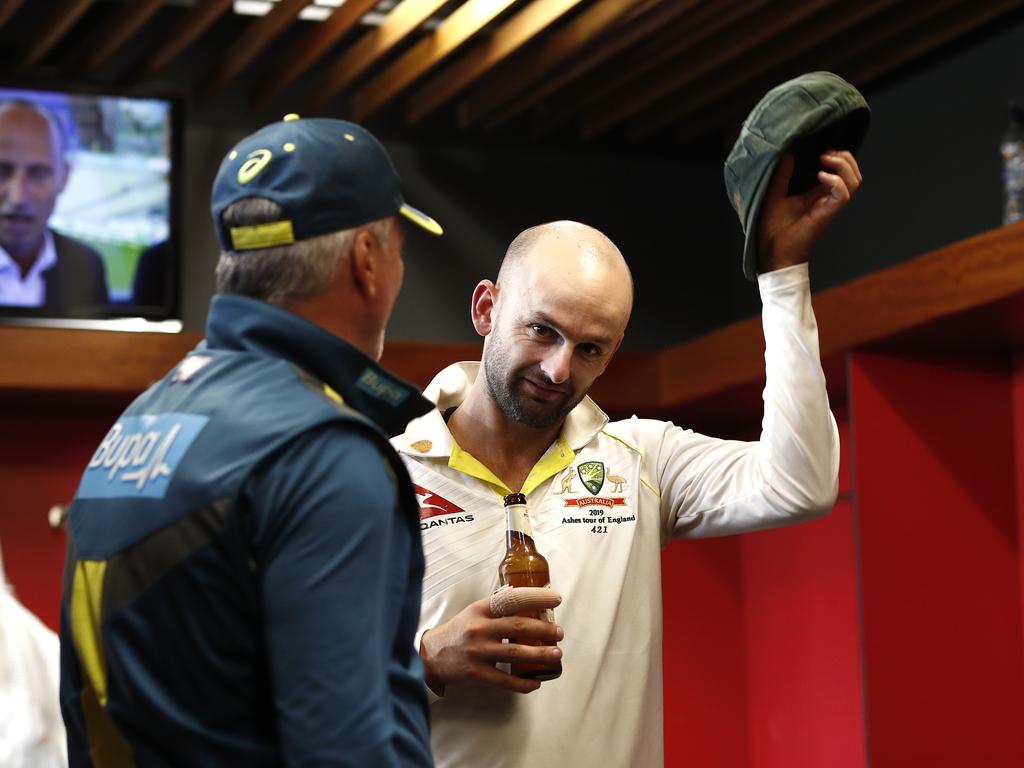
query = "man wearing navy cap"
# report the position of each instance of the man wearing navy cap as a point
(243, 577)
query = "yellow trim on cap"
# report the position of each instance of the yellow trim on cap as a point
(289, 117)
(262, 235)
(421, 219)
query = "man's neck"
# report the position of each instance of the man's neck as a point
(508, 449)
(25, 257)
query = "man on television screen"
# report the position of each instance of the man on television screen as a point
(39, 267)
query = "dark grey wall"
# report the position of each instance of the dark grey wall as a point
(657, 211)
(932, 176)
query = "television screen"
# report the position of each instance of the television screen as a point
(87, 208)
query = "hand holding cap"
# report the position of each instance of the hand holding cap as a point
(805, 116)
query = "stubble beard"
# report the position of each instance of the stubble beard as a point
(518, 407)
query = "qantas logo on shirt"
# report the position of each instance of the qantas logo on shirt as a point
(434, 506)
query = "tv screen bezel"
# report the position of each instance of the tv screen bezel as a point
(165, 318)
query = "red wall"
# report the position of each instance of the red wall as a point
(41, 460)
(703, 649)
(762, 655)
(1018, 452)
(890, 633)
(940, 578)
(803, 660)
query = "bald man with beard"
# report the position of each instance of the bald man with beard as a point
(604, 497)
(40, 267)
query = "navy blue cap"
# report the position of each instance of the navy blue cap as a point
(327, 175)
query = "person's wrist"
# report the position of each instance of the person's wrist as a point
(770, 257)
(433, 682)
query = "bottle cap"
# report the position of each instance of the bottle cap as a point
(515, 498)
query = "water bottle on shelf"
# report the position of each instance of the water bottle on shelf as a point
(1013, 166)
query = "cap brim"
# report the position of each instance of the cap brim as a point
(846, 132)
(420, 219)
(753, 217)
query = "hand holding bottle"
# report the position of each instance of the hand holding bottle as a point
(523, 567)
(465, 648)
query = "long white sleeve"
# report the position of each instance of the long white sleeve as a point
(712, 487)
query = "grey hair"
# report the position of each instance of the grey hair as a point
(56, 124)
(285, 273)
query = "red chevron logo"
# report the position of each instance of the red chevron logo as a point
(432, 505)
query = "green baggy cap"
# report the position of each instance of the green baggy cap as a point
(806, 116)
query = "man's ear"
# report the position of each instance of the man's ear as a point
(481, 309)
(363, 263)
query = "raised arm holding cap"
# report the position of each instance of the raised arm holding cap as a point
(604, 496)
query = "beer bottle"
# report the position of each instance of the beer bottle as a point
(524, 566)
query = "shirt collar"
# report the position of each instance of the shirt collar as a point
(429, 436)
(244, 324)
(46, 258)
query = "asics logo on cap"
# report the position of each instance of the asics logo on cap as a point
(256, 162)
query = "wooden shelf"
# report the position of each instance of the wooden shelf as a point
(980, 272)
(52, 360)
(80, 362)
(113, 365)
(970, 294)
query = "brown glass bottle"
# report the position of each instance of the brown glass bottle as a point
(524, 566)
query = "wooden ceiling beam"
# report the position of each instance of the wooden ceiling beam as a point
(404, 19)
(958, 22)
(258, 35)
(697, 62)
(57, 24)
(557, 49)
(8, 9)
(128, 21)
(313, 45)
(512, 36)
(464, 22)
(624, 76)
(812, 43)
(638, 29)
(199, 18)
(734, 93)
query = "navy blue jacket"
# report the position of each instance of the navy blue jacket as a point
(242, 586)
